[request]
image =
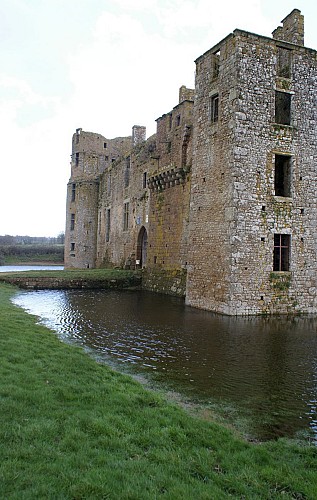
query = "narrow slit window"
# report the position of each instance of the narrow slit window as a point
(281, 255)
(215, 62)
(73, 192)
(282, 175)
(144, 179)
(126, 216)
(214, 108)
(77, 159)
(72, 222)
(127, 172)
(108, 224)
(282, 108)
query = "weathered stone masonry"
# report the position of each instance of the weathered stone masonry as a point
(225, 190)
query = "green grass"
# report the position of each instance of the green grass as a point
(71, 428)
(87, 274)
(31, 259)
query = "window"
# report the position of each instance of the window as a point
(170, 120)
(144, 179)
(108, 224)
(77, 159)
(72, 247)
(127, 172)
(281, 255)
(169, 146)
(72, 222)
(215, 64)
(107, 158)
(105, 145)
(284, 61)
(126, 216)
(282, 108)
(282, 175)
(214, 107)
(178, 120)
(73, 192)
(109, 183)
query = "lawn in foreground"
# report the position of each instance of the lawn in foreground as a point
(73, 428)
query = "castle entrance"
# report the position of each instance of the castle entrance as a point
(142, 247)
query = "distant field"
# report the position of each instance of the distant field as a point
(16, 254)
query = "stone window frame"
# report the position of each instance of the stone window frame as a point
(215, 64)
(72, 222)
(73, 198)
(283, 116)
(281, 252)
(214, 107)
(127, 172)
(283, 174)
(108, 223)
(284, 70)
(144, 180)
(126, 210)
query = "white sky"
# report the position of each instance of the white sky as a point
(103, 65)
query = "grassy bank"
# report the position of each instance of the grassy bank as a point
(74, 279)
(74, 429)
(69, 274)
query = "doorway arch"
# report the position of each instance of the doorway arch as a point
(142, 247)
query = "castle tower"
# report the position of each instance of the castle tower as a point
(82, 199)
(253, 198)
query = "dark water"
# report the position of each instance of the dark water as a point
(262, 370)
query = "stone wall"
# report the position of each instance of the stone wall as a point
(235, 209)
(225, 189)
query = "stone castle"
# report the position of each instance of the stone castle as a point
(220, 205)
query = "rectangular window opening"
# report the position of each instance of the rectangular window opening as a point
(214, 108)
(282, 108)
(281, 255)
(284, 62)
(72, 222)
(215, 62)
(144, 180)
(127, 172)
(126, 216)
(76, 159)
(178, 120)
(282, 175)
(73, 192)
(72, 247)
(108, 224)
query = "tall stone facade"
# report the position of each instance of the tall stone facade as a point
(226, 189)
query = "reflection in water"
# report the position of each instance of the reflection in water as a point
(265, 367)
(13, 269)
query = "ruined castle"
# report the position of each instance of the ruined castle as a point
(220, 205)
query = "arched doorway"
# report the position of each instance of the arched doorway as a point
(142, 247)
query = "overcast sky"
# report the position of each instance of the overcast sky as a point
(104, 66)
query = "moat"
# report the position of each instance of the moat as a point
(260, 370)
